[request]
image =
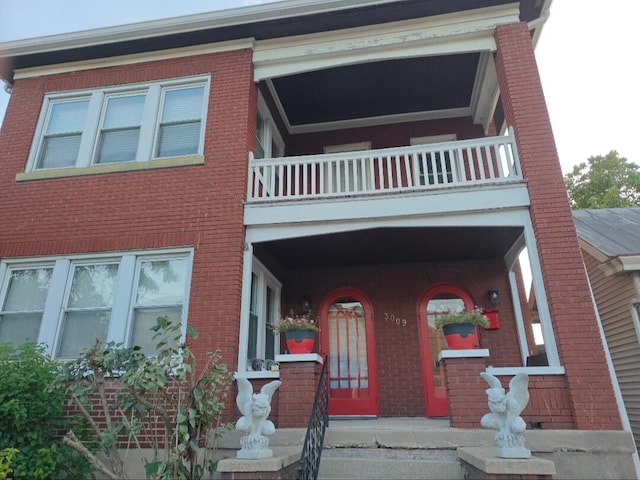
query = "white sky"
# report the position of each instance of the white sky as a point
(587, 57)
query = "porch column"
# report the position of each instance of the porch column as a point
(570, 306)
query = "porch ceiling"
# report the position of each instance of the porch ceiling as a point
(394, 245)
(392, 87)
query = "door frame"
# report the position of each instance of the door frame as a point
(330, 299)
(434, 407)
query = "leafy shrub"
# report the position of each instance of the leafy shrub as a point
(31, 415)
(163, 389)
(5, 462)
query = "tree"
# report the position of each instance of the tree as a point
(604, 182)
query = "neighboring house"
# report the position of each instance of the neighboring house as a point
(610, 242)
(380, 160)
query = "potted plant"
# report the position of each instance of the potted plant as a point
(299, 331)
(461, 328)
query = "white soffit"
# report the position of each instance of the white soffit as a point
(471, 31)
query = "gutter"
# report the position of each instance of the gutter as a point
(537, 24)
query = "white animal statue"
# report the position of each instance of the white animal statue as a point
(505, 415)
(255, 409)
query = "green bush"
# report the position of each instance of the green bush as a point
(5, 462)
(31, 415)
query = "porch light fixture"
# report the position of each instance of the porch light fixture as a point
(306, 305)
(494, 296)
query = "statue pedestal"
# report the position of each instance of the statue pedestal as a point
(481, 463)
(283, 465)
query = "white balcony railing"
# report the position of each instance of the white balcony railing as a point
(421, 167)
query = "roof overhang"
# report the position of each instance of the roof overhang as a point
(443, 47)
(618, 265)
(265, 21)
(611, 265)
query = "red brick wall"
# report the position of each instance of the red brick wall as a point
(570, 304)
(298, 391)
(200, 206)
(396, 290)
(549, 406)
(393, 135)
(466, 391)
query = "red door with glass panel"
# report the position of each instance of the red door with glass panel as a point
(439, 299)
(347, 339)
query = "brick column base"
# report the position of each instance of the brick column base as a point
(465, 387)
(299, 375)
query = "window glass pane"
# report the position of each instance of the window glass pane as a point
(269, 347)
(161, 285)
(179, 130)
(254, 293)
(93, 286)
(19, 328)
(21, 312)
(60, 152)
(80, 331)
(67, 117)
(144, 319)
(124, 112)
(27, 289)
(121, 129)
(260, 134)
(61, 141)
(183, 104)
(252, 349)
(178, 139)
(161, 282)
(118, 146)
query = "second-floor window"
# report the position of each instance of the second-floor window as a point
(125, 124)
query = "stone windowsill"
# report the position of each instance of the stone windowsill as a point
(110, 168)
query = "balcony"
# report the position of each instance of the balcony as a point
(419, 168)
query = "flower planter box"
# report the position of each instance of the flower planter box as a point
(300, 340)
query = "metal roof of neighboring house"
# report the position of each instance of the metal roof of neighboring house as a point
(614, 232)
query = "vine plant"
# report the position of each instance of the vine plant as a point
(163, 389)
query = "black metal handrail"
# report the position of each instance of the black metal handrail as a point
(318, 423)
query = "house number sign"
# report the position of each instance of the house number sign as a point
(390, 317)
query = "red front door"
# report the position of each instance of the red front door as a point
(347, 338)
(438, 299)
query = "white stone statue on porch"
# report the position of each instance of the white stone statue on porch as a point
(255, 409)
(505, 415)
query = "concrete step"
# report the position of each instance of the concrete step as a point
(389, 463)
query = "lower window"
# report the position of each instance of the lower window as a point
(68, 303)
(262, 344)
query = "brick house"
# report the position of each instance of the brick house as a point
(380, 161)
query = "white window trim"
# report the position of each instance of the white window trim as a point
(447, 137)
(95, 112)
(122, 310)
(265, 279)
(347, 147)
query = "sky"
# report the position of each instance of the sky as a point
(587, 59)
